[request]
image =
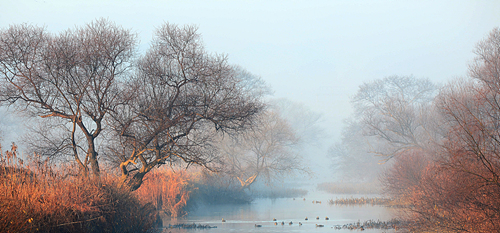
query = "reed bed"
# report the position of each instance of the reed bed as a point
(168, 191)
(38, 197)
(362, 201)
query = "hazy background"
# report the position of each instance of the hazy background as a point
(315, 53)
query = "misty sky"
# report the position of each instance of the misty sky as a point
(312, 52)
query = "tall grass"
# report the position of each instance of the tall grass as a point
(167, 190)
(37, 197)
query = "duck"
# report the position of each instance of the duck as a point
(274, 219)
(275, 223)
(290, 223)
(326, 218)
(317, 218)
(223, 220)
(306, 219)
(300, 224)
(282, 223)
(319, 225)
(258, 225)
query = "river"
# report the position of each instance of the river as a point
(243, 218)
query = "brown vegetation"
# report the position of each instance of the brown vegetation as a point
(362, 201)
(37, 197)
(167, 190)
(456, 187)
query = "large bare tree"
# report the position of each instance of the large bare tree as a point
(72, 76)
(177, 100)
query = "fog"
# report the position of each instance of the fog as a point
(314, 54)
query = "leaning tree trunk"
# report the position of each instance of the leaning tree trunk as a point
(131, 182)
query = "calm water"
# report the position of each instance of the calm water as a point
(242, 218)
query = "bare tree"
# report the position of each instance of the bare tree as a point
(177, 100)
(393, 109)
(266, 150)
(72, 76)
(459, 189)
(351, 157)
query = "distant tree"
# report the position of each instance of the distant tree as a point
(72, 76)
(393, 109)
(303, 121)
(351, 157)
(180, 97)
(265, 151)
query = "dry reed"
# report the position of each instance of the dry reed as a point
(37, 197)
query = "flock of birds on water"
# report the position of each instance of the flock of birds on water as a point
(370, 224)
(291, 222)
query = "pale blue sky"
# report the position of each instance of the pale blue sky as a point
(312, 52)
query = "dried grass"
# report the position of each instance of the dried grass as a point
(167, 190)
(36, 197)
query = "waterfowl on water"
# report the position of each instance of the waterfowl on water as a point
(275, 223)
(307, 219)
(317, 218)
(290, 223)
(258, 225)
(300, 224)
(282, 223)
(319, 225)
(223, 220)
(327, 218)
(274, 219)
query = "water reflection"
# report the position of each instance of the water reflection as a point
(243, 218)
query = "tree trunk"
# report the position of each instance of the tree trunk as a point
(131, 182)
(94, 164)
